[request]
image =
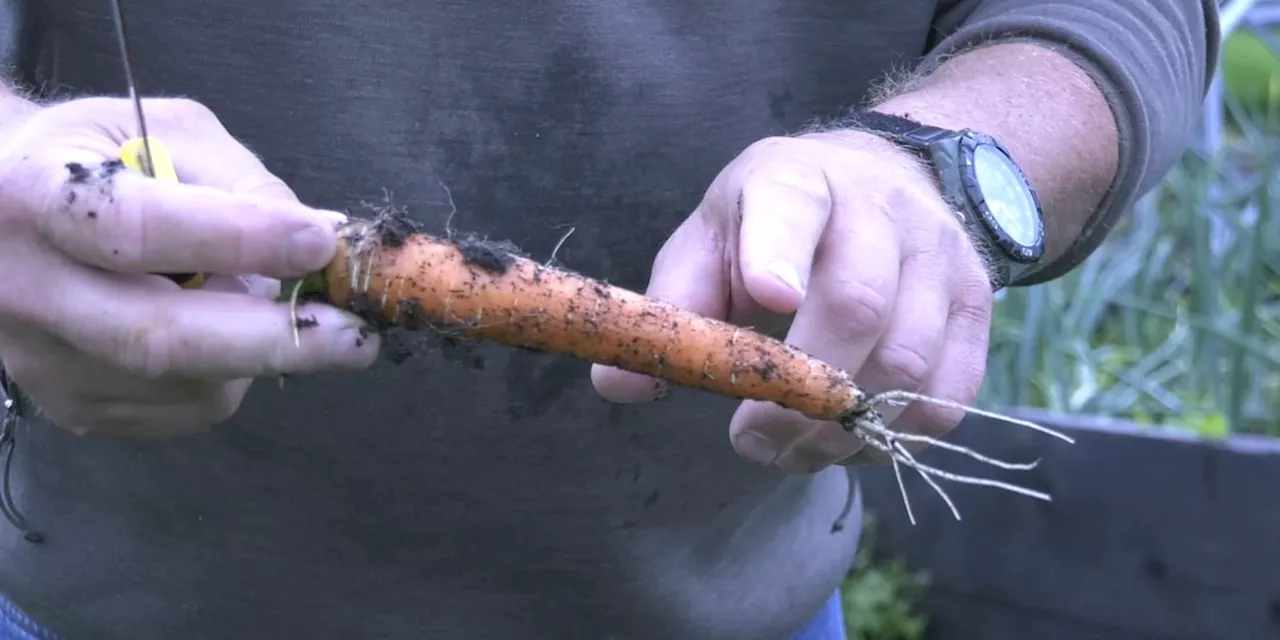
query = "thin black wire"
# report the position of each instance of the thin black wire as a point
(851, 492)
(13, 413)
(149, 167)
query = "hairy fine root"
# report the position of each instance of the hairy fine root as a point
(869, 425)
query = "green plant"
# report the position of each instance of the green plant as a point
(1251, 69)
(880, 596)
(1175, 320)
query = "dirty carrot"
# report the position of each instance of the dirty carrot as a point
(394, 276)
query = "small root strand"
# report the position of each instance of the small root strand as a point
(942, 444)
(293, 312)
(559, 245)
(868, 425)
(902, 489)
(903, 398)
(937, 488)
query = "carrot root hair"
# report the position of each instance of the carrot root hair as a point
(869, 426)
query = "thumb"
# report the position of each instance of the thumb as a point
(214, 158)
(690, 272)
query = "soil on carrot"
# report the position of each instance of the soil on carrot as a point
(491, 255)
(764, 363)
(413, 332)
(390, 226)
(394, 226)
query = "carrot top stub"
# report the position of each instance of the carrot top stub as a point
(395, 276)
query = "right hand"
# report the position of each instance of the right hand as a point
(98, 343)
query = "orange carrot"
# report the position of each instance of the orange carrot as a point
(395, 276)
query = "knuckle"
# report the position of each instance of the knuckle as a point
(770, 144)
(951, 233)
(972, 294)
(969, 385)
(783, 163)
(922, 212)
(961, 388)
(859, 307)
(184, 111)
(92, 226)
(937, 421)
(93, 108)
(264, 183)
(905, 365)
(147, 351)
(801, 178)
(973, 298)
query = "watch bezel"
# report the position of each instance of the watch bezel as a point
(968, 142)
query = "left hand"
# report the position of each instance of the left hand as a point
(844, 241)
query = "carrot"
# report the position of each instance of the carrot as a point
(394, 276)
(486, 290)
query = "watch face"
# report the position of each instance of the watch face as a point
(1007, 197)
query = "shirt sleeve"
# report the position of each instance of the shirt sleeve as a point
(1152, 59)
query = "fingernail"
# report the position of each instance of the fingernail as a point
(787, 275)
(755, 447)
(333, 216)
(349, 342)
(359, 346)
(309, 249)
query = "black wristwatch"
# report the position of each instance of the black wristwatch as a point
(982, 181)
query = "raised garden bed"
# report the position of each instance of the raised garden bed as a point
(1151, 534)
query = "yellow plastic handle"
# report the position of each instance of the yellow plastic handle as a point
(132, 155)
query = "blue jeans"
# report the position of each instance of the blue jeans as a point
(16, 625)
(827, 625)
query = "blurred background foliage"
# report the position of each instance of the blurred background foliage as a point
(1175, 320)
(1173, 323)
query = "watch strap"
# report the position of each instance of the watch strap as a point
(900, 129)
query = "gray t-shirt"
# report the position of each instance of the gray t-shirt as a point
(495, 495)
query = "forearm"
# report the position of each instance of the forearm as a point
(1040, 105)
(1152, 61)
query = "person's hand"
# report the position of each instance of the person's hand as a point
(847, 240)
(98, 343)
